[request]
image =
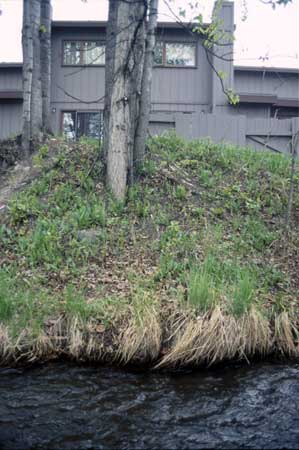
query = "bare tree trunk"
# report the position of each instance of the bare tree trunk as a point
(294, 155)
(111, 35)
(125, 86)
(36, 90)
(27, 46)
(45, 32)
(145, 98)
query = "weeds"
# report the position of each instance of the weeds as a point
(193, 268)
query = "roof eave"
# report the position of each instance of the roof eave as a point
(11, 95)
(102, 24)
(266, 69)
(11, 65)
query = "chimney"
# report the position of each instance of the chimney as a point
(222, 57)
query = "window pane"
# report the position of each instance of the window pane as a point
(69, 125)
(95, 126)
(158, 55)
(93, 53)
(71, 53)
(90, 124)
(180, 54)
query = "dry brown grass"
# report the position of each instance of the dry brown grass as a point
(205, 339)
(255, 334)
(286, 335)
(215, 337)
(75, 339)
(141, 336)
(6, 350)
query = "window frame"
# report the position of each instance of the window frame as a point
(98, 41)
(176, 66)
(77, 111)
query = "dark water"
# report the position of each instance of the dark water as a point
(60, 406)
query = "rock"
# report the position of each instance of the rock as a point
(92, 235)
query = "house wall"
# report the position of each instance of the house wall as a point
(10, 119)
(74, 87)
(178, 88)
(174, 90)
(252, 110)
(82, 88)
(10, 110)
(278, 83)
(10, 78)
(284, 85)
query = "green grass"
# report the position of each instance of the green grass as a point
(244, 294)
(201, 295)
(211, 234)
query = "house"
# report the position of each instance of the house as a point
(186, 92)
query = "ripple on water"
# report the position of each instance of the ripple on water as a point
(61, 406)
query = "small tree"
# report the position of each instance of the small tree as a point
(146, 85)
(27, 75)
(36, 44)
(45, 42)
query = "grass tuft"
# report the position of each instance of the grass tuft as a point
(244, 294)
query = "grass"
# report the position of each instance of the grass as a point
(244, 295)
(201, 295)
(194, 268)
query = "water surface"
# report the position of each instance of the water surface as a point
(62, 406)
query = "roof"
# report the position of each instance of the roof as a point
(102, 24)
(11, 65)
(269, 99)
(11, 95)
(79, 24)
(265, 69)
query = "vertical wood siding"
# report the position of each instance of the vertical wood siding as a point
(10, 119)
(281, 84)
(10, 79)
(173, 89)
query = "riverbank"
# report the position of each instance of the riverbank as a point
(196, 268)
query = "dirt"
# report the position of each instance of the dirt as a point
(10, 152)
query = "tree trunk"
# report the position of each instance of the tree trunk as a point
(109, 69)
(124, 90)
(145, 99)
(27, 77)
(36, 90)
(45, 32)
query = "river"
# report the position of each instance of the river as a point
(65, 406)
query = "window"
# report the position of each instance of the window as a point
(83, 53)
(284, 112)
(76, 124)
(158, 56)
(175, 54)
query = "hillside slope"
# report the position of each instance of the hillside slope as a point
(197, 267)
